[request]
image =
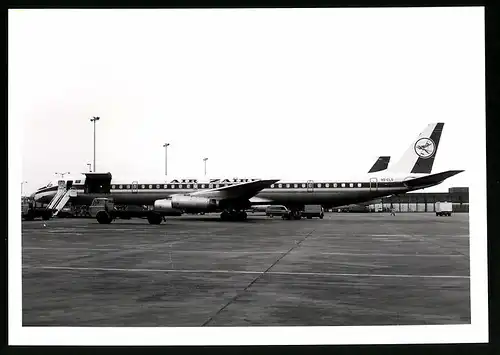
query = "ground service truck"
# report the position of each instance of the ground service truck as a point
(30, 210)
(105, 211)
(443, 208)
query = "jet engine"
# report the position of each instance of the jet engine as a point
(192, 202)
(165, 207)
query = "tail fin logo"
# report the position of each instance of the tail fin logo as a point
(425, 148)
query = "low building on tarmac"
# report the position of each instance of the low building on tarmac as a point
(424, 201)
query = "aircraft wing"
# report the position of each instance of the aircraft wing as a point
(244, 190)
(431, 180)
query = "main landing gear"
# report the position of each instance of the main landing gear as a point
(155, 218)
(294, 214)
(233, 215)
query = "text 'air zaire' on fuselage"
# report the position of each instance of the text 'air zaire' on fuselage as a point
(411, 172)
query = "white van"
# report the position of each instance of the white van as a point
(311, 211)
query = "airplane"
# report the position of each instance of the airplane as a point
(232, 196)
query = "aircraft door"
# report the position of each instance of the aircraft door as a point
(310, 186)
(373, 184)
(61, 184)
(134, 187)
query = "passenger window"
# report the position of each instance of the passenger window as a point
(319, 185)
(150, 186)
(272, 186)
(287, 185)
(295, 185)
(280, 185)
(303, 185)
(359, 185)
(343, 185)
(165, 186)
(327, 185)
(189, 186)
(335, 185)
(113, 187)
(172, 186)
(351, 185)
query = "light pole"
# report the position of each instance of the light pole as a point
(22, 183)
(205, 161)
(62, 174)
(166, 146)
(90, 167)
(94, 119)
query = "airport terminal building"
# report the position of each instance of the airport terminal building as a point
(425, 201)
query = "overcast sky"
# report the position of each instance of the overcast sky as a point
(290, 93)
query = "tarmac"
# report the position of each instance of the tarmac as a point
(347, 269)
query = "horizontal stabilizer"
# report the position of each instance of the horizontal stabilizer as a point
(431, 180)
(380, 164)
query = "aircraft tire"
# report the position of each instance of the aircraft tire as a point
(103, 217)
(224, 216)
(154, 218)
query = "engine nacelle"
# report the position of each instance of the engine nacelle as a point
(165, 207)
(193, 202)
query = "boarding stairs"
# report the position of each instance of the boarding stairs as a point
(61, 199)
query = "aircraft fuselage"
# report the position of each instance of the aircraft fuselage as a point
(332, 193)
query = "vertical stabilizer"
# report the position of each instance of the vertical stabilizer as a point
(419, 157)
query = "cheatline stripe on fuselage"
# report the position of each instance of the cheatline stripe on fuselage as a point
(319, 194)
(289, 186)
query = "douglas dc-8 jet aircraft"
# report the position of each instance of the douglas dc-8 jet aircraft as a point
(233, 197)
